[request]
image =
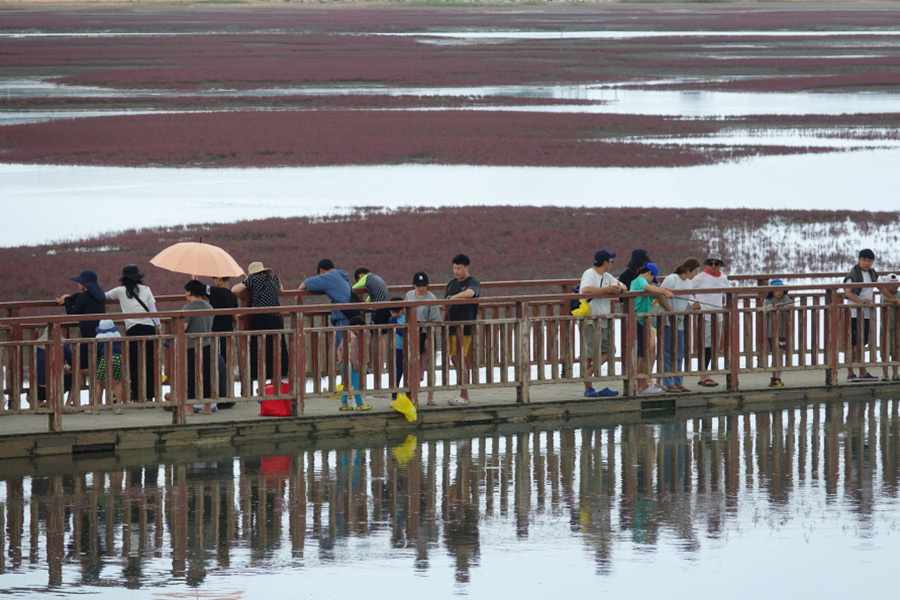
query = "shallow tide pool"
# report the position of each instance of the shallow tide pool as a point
(803, 500)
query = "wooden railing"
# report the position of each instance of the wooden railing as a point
(516, 342)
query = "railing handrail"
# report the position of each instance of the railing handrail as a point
(19, 305)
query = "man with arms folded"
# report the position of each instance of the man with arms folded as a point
(598, 280)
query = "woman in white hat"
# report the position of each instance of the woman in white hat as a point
(264, 288)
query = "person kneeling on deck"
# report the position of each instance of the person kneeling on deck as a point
(598, 280)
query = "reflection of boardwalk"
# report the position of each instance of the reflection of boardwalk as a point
(153, 428)
(449, 504)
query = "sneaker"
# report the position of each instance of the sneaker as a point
(458, 401)
(775, 382)
(885, 378)
(867, 377)
(606, 393)
(591, 393)
(895, 378)
(652, 390)
(345, 406)
(363, 407)
(852, 377)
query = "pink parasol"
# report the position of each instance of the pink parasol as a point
(197, 258)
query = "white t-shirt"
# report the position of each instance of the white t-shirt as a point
(864, 294)
(710, 301)
(131, 305)
(591, 278)
(682, 300)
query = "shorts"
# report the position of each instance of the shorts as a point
(467, 343)
(117, 368)
(853, 339)
(707, 333)
(381, 316)
(604, 342)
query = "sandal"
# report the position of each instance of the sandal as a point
(683, 389)
(707, 383)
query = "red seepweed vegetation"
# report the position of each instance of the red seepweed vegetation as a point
(504, 243)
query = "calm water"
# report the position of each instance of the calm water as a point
(803, 501)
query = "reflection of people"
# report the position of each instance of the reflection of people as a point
(461, 286)
(135, 297)
(424, 314)
(461, 528)
(89, 300)
(264, 287)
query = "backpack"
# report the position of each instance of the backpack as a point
(579, 307)
(352, 312)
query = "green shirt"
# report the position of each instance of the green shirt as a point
(641, 303)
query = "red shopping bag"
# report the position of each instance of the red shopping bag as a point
(276, 408)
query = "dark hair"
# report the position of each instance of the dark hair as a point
(460, 259)
(195, 288)
(360, 271)
(396, 308)
(357, 320)
(639, 258)
(643, 270)
(689, 264)
(131, 287)
(225, 279)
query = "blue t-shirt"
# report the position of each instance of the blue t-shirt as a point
(641, 303)
(336, 285)
(399, 330)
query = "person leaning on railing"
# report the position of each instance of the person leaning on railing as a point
(135, 297)
(89, 300)
(264, 286)
(424, 314)
(711, 277)
(680, 282)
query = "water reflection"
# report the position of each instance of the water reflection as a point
(594, 501)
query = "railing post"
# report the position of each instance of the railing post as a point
(411, 348)
(179, 359)
(832, 335)
(629, 352)
(54, 374)
(733, 356)
(523, 356)
(297, 370)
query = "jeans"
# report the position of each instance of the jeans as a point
(667, 362)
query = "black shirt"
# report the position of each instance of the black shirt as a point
(222, 298)
(463, 312)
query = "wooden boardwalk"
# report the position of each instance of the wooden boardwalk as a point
(140, 428)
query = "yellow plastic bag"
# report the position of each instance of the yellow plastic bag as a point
(583, 309)
(403, 405)
(404, 452)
